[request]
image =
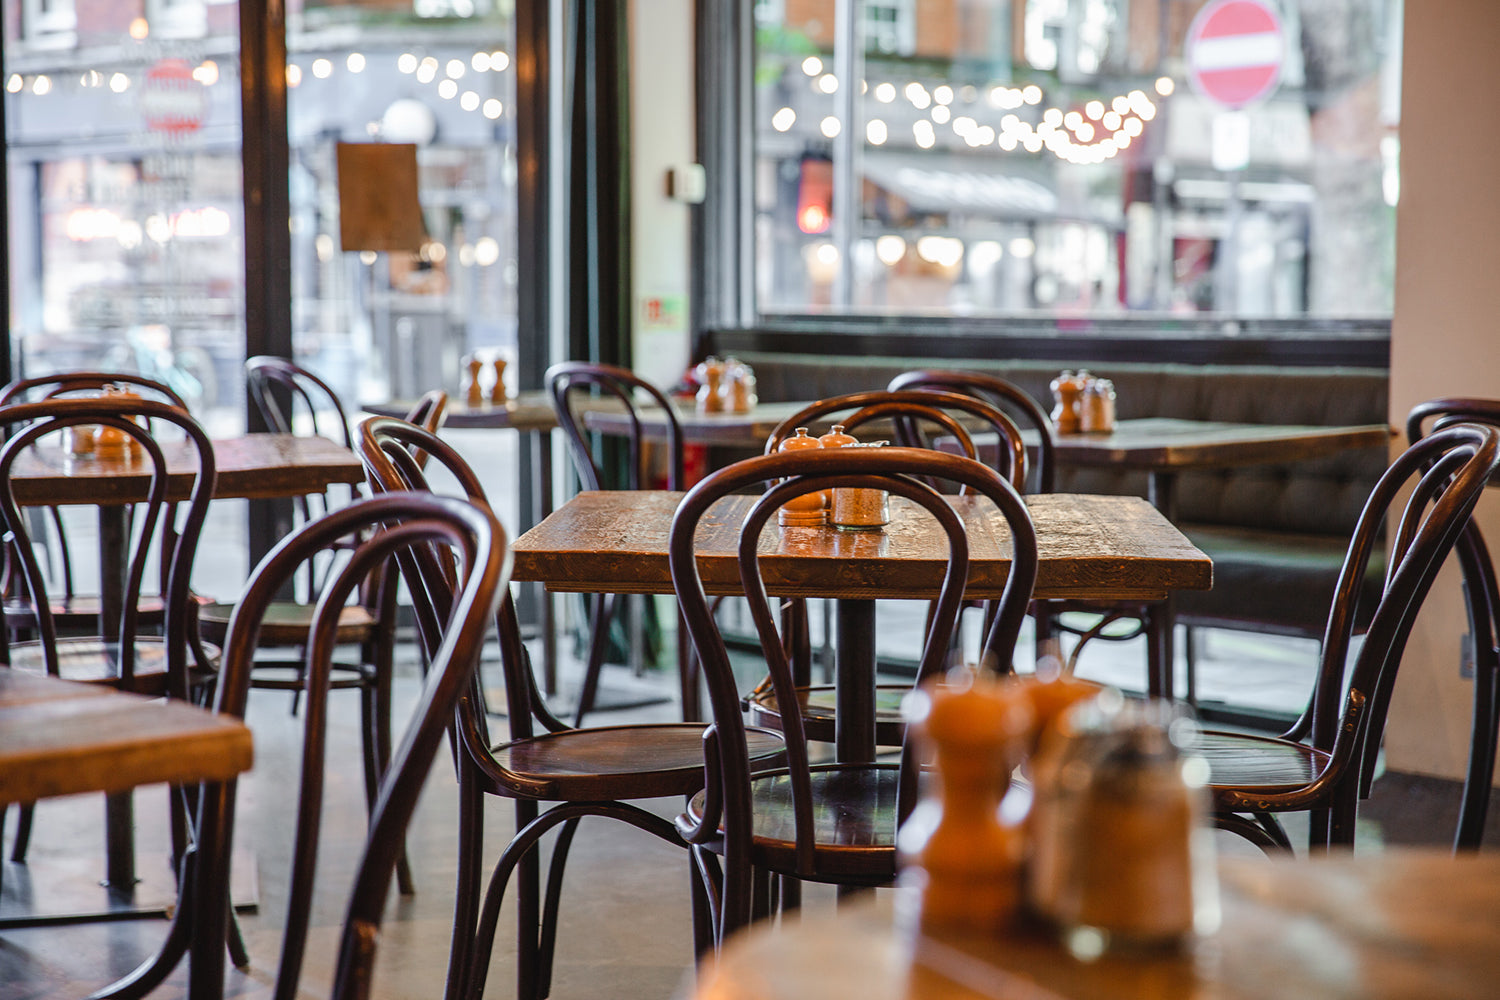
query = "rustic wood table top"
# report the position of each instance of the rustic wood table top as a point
(1398, 924)
(60, 737)
(252, 466)
(525, 411)
(1170, 443)
(1103, 547)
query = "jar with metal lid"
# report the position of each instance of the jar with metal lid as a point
(1097, 407)
(857, 508)
(1122, 855)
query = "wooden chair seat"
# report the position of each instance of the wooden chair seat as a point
(817, 703)
(87, 659)
(617, 762)
(288, 623)
(1250, 763)
(854, 821)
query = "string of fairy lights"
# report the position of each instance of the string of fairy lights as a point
(1098, 131)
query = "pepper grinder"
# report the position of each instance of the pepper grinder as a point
(498, 394)
(955, 847)
(473, 391)
(808, 509)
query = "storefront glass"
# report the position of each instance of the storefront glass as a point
(1077, 158)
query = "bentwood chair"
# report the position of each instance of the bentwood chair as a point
(597, 471)
(294, 400)
(385, 526)
(72, 611)
(1482, 596)
(117, 653)
(1255, 778)
(831, 822)
(920, 419)
(597, 771)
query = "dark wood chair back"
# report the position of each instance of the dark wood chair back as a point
(902, 471)
(48, 418)
(914, 413)
(563, 380)
(1442, 476)
(1482, 597)
(387, 526)
(1017, 403)
(62, 385)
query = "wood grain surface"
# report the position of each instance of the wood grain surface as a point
(1397, 924)
(1169, 443)
(1090, 546)
(525, 411)
(60, 737)
(253, 466)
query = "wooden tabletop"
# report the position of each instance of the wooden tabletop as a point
(1103, 547)
(1169, 443)
(1398, 924)
(525, 411)
(1147, 443)
(254, 466)
(60, 737)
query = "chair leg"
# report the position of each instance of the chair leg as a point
(703, 922)
(466, 892)
(25, 812)
(1476, 800)
(548, 942)
(604, 613)
(381, 656)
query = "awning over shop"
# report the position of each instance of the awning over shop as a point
(940, 183)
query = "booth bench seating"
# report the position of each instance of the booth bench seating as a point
(1276, 533)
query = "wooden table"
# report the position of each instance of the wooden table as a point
(59, 737)
(1386, 926)
(1089, 546)
(1165, 447)
(252, 466)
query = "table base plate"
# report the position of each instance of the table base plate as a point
(66, 891)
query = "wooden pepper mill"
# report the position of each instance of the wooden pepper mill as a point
(473, 391)
(498, 395)
(807, 510)
(955, 846)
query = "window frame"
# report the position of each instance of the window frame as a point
(726, 314)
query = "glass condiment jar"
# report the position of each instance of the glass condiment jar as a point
(1097, 407)
(810, 509)
(860, 508)
(115, 442)
(1121, 855)
(835, 438)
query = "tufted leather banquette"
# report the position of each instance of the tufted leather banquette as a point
(1276, 533)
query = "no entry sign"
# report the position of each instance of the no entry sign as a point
(1234, 51)
(171, 100)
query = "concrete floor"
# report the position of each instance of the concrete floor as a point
(626, 922)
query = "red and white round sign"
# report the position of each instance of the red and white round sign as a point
(171, 100)
(1235, 49)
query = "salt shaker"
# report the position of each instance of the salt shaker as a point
(711, 392)
(809, 509)
(858, 508)
(1097, 407)
(1122, 858)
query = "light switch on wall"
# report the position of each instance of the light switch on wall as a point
(687, 183)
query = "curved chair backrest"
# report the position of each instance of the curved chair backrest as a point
(1016, 402)
(907, 409)
(903, 472)
(302, 391)
(387, 447)
(576, 376)
(482, 569)
(152, 507)
(1446, 474)
(1482, 596)
(74, 382)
